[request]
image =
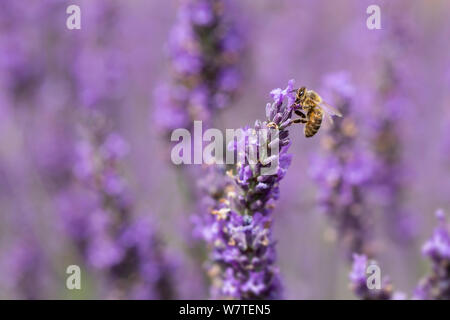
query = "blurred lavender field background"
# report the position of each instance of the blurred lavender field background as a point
(86, 115)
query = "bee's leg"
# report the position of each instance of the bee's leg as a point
(299, 113)
(299, 120)
(294, 106)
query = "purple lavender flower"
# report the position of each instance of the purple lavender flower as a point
(344, 170)
(436, 286)
(389, 107)
(358, 282)
(26, 108)
(99, 215)
(26, 269)
(98, 208)
(239, 205)
(99, 70)
(204, 48)
(28, 75)
(22, 68)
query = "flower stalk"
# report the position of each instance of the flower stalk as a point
(238, 224)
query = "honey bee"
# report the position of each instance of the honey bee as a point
(315, 108)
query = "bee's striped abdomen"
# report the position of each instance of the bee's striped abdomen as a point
(314, 122)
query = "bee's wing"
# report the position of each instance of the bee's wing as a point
(329, 111)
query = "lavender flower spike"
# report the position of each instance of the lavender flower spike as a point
(204, 48)
(98, 214)
(27, 269)
(437, 285)
(97, 209)
(239, 223)
(343, 170)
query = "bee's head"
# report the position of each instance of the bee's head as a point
(301, 92)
